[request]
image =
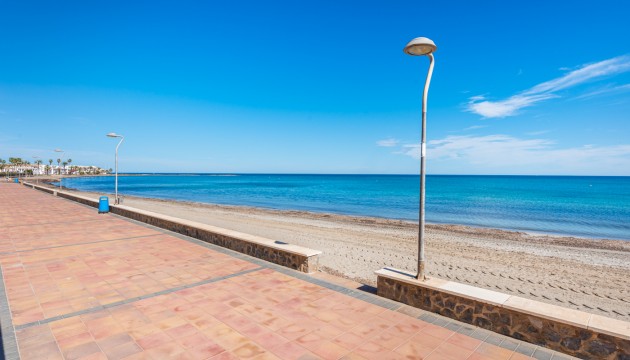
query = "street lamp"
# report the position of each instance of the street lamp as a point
(417, 47)
(114, 135)
(59, 164)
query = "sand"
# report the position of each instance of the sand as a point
(585, 274)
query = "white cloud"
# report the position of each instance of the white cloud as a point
(508, 107)
(540, 132)
(606, 90)
(475, 127)
(544, 91)
(612, 66)
(503, 154)
(387, 142)
(412, 150)
(484, 147)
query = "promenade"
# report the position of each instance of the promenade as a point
(82, 285)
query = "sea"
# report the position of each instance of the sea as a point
(583, 206)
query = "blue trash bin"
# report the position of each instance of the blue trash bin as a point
(103, 205)
(16, 180)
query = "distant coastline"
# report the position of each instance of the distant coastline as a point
(351, 174)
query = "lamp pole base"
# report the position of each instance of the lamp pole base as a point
(421, 275)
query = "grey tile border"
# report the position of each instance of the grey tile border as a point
(494, 339)
(453, 325)
(465, 331)
(134, 299)
(9, 342)
(557, 356)
(441, 321)
(53, 223)
(541, 354)
(510, 344)
(525, 349)
(480, 334)
(77, 244)
(428, 317)
(410, 311)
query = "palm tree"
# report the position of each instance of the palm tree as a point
(39, 164)
(70, 162)
(50, 161)
(2, 164)
(15, 162)
(59, 166)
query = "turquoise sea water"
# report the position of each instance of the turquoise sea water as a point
(571, 205)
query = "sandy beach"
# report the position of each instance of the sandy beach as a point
(586, 274)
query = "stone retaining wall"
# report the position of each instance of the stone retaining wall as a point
(292, 256)
(81, 200)
(42, 188)
(294, 260)
(572, 332)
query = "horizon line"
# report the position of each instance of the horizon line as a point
(349, 174)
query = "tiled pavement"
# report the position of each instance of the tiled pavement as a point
(79, 285)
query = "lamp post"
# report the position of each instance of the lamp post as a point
(114, 135)
(418, 47)
(59, 164)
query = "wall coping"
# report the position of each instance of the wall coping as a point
(286, 247)
(593, 322)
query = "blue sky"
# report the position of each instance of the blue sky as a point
(533, 87)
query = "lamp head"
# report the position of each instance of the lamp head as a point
(420, 46)
(113, 135)
(58, 150)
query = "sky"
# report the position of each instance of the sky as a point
(531, 88)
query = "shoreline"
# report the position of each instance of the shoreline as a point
(528, 232)
(578, 241)
(585, 274)
(568, 239)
